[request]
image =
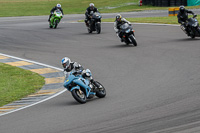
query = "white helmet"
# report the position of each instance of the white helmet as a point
(91, 5)
(65, 62)
(58, 5)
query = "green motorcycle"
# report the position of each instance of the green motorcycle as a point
(55, 19)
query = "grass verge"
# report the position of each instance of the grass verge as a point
(42, 7)
(16, 83)
(160, 20)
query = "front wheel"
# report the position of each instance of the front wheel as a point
(192, 32)
(56, 24)
(89, 30)
(100, 93)
(133, 40)
(192, 36)
(98, 28)
(79, 96)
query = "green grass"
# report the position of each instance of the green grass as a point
(16, 83)
(43, 7)
(160, 20)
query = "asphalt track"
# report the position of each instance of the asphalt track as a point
(152, 88)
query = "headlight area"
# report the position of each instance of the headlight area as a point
(127, 31)
(195, 24)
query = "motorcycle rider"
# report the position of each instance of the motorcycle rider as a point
(58, 6)
(118, 22)
(183, 17)
(90, 9)
(76, 68)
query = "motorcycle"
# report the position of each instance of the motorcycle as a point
(95, 22)
(192, 25)
(55, 19)
(128, 35)
(81, 88)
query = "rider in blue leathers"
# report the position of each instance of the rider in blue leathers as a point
(76, 68)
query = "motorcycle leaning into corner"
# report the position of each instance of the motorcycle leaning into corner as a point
(78, 83)
(95, 22)
(193, 29)
(128, 35)
(55, 19)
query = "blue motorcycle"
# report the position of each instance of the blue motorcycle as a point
(81, 88)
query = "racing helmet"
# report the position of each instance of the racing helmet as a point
(66, 63)
(58, 6)
(91, 6)
(118, 17)
(182, 9)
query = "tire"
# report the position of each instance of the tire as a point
(50, 26)
(192, 36)
(133, 40)
(100, 93)
(89, 31)
(89, 28)
(81, 98)
(98, 28)
(56, 24)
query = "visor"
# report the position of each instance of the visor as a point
(66, 64)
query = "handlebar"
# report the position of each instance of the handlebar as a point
(77, 72)
(194, 16)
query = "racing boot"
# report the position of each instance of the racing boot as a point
(86, 23)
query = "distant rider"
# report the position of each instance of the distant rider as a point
(183, 17)
(118, 22)
(76, 68)
(57, 7)
(90, 9)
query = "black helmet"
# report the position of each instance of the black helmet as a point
(118, 17)
(182, 9)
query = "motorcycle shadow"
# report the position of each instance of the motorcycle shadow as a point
(121, 46)
(72, 103)
(85, 33)
(187, 39)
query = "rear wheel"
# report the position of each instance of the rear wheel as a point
(100, 93)
(79, 96)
